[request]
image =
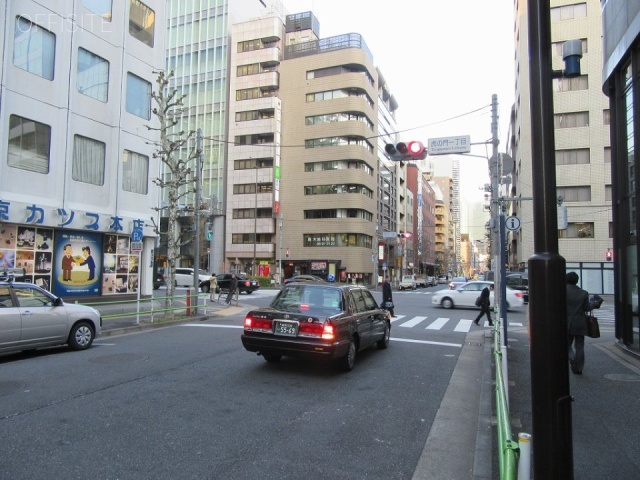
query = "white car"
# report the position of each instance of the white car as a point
(465, 296)
(184, 277)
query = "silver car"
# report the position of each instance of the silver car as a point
(31, 317)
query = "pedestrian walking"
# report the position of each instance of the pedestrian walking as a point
(387, 296)
(485, 305)
(213, 287)
(233, 286)
(577, 306)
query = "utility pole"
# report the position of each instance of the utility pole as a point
(550, 397)
(196, 213)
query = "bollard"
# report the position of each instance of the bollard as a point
(524, 463)
(188, 304)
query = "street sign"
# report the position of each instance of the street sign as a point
(389, 234)
(135, 246)
(137, 235)
(512, 223)
(445, 145)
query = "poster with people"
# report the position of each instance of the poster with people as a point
(78, 263)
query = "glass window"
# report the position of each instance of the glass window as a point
(88, 160)
(572, 156)
(29, 144)
(141, 22)
(135, 172)
(101, 7)
(34, 48)
(138, 96)
(93, 75)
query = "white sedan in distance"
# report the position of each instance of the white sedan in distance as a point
(465, 296)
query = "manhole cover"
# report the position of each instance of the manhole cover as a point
(119, 358)
(9, 386)
(623, 377)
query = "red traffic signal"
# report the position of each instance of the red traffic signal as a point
(609, 255)
(406, 151)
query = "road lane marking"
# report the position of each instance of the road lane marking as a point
(426, 342)
(413, 322)
(463, 326)
(437, 324)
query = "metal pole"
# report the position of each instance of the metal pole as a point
(196, 210)
(255, 223)
(280, 253)
(550, 398)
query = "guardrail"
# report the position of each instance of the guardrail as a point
(508, 450)
(149, 307)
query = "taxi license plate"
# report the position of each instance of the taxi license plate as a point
(286, 328)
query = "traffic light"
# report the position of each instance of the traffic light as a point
(406, 151)
(608, 255)
(402, 234)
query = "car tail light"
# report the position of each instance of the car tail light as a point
(328, 332)
(247, 283)
(323, 330)
(518, 294)
(258, 324)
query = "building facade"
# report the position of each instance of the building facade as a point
(583, 147)
(77, 199)
(199, 52)
(621, 74)
(309, 189)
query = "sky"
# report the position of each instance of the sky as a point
(443, 60)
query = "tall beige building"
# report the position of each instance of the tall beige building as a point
(583, 155)
(302, 169)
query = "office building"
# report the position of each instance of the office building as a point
(77, 198)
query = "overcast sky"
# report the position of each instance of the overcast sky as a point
(441, 59)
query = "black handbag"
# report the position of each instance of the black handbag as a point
(593, 329)
(479, 301)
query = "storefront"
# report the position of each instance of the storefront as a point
(72, 263)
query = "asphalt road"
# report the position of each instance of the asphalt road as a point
(188, 402)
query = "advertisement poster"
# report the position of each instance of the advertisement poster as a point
(78, 263)
(121, 268)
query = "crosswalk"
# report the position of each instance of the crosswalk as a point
(441, 323)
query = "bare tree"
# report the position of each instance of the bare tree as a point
(177, 180)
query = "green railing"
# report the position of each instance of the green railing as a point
(147, 307)
(508, 450)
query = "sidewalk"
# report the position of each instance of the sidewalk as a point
(605, 411)
(133, 323)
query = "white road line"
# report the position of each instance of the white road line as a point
(210, 325)
(437, 324)
(413, 322)
(515, 324)
(397, 317)
(426, 342)
(463, 326)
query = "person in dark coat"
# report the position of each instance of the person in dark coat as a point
(577, 306)
(485, 306)
(387, 296)
(233, 286)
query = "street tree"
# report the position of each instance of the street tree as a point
(177, 151)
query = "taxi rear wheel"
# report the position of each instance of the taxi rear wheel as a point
(347, 362)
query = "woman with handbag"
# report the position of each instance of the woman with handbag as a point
(577, 307)
(387, 296)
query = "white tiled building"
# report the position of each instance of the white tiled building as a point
(76, 162)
